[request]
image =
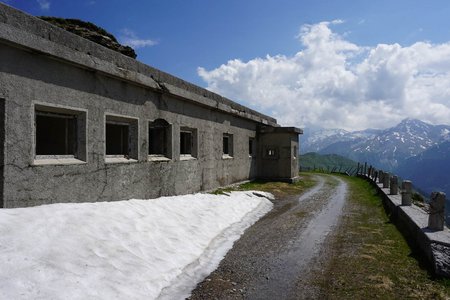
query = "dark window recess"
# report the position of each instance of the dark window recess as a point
(226, 148)
(55, 134)
(157, 136)
(250, 147)
(185, 142)
(158, 141)
(117, 139)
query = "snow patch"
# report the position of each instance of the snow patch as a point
(135, 249)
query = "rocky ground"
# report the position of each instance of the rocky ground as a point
(279, 256)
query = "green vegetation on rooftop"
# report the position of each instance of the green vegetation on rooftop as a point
(91, 32)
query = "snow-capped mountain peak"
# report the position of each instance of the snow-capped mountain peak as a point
(383, 148)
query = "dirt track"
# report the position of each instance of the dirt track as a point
(277, 256)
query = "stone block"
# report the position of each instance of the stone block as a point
(380, 176)
(436, 218)
(394, 185)
(406, 193)
(386, 179)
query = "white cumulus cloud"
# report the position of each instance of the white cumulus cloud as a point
(44, 4)
(332, 82)
(129, 38)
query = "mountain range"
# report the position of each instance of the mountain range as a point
(387, 149)
(430, 168)
(412, 149)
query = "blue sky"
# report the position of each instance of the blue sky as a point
(230, 47)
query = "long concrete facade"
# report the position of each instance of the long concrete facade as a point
(82, 123)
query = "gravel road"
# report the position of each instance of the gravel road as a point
(275, 258)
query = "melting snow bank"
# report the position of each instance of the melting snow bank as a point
(135, 249)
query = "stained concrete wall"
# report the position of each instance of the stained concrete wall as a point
(278, 152)
(41, 65)
(56, 84)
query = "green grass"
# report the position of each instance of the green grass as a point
(371, 259)
(278, 189)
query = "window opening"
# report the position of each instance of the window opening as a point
(56, 134)
(186, 142)
(271, 152)
(158, 134)
(117, 139)
(250, 147)
(226, 148)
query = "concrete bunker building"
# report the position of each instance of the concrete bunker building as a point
(82, 123)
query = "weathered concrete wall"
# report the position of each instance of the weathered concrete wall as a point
(282, 164)
(41, 65)
(56, 84)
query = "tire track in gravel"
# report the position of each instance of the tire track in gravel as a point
(269, 260)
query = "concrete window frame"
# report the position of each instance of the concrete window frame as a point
(48, 112)
(131, 125)
(188, 143)
(161, 130)
(227, 146)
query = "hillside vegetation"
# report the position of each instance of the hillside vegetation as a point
(91, 32)
(312, 160)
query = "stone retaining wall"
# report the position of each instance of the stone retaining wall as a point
(413, 222)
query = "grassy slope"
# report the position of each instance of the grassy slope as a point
(312, 159)
(371, 259)
(278, 189)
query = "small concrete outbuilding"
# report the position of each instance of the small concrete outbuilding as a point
(82, 123)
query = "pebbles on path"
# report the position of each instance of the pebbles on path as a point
(273, 259)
